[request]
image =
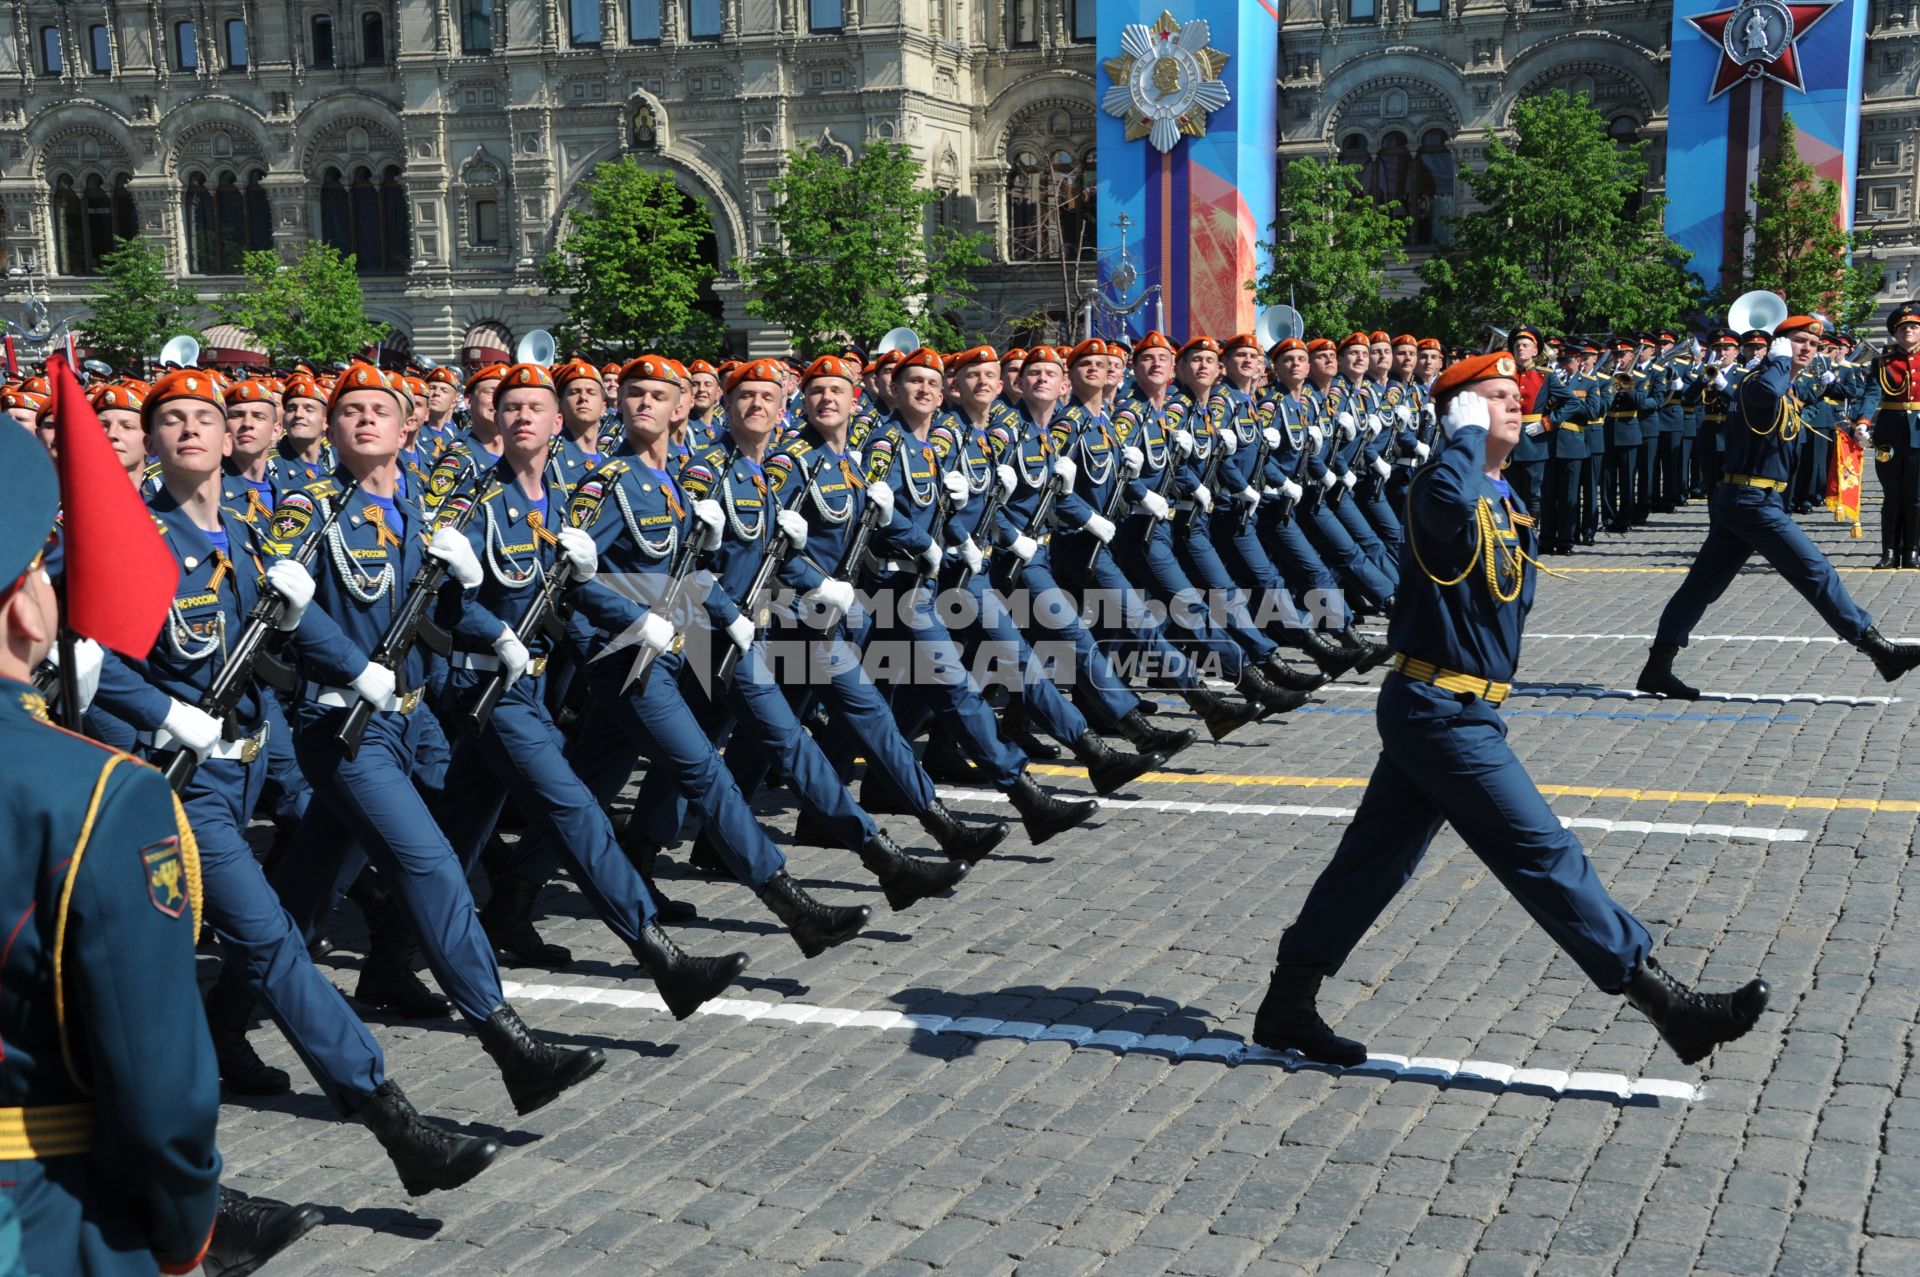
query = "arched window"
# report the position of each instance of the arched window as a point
(259, 213)
(1353, 150)
(336, 224)
(394, 236)
(224, 220)
(236, 44)
(203, 227)
(322, 41)
(1433, 207)
(50, 60)
(367, 217)
(373, 40)
(100, 52)
(1026, 21)
(88, 218)
(186, 50)
(1624, 129)
(1050, 191)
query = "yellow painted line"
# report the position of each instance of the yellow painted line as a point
(1560, 571)
(1804, 802)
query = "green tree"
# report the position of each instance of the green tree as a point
(138, 307)
(633, 262)
(854, 258)
(1330, 250)
(1564, 236)
(311, 309)
(1798, 249)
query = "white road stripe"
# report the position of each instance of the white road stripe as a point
(1223, 1050)
(1754, 833)
(1703, 638)
(1595, 691)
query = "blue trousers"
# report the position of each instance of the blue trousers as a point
(291, 793)
(1142, 551)
(994, 643)
(1243, 557)
(1053, 616)
(1563, 503)
(521, 754)
(1284, 537)
(368, 806)
(755, 704)
(1379, 514)
(1741, 522)
(1444, 757)
(265, 953)
(1351, 517)
(1208, 571)
(1340, 552)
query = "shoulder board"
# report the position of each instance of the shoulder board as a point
(944, 438)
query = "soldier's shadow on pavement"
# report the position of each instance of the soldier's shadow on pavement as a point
(382, 1219)
(1121, 1020)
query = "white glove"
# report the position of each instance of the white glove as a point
(1348, 426)
(1534, 429)
(1024, 548)
(1183, 441)
(1373, 425)
(882, 496)
(656, 632)
(831, 599)
(87, 660)
(1402, 413)
(1381, 468)
(1827, 377)
(956, 486)
(1066, 472)
(294, 583)
(1347, 480)
(971, 556)
(1720, 382)
(1317, 435)
(1271, 437)
(190, 728)
(1781, 347)
(1229, 442)
(1101, 527)
(375, 685)
(1249, 495)
(793, 527)
(1203, 497)
(1467, 409)
(1008, 480)
(709, 523)
(451, 548)
(1863, 435)
(740, 630)
(1156, 505)
(1421, 450)
(513, 654)
(1291, 490)
(932, 557)
(581, 554)
(1329, 480)
(1133, 461)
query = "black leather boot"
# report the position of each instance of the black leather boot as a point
(1888, 559)
(643, 856)
(1658, 678)
(1368, 654)
(387, 979)
(684, 981)
(1148, 739)
(1332, 659)
(242, 1071)
(944, 761)
(535, 1072)
(1288, 1020)
(961, 841)
(1044, 814)
(908, 879)
(1017, 728)
(1289, 679)
(508, 921)
(427, 1156)
(1693, 1023)
(1108, 768)
(1222, 716)
(1890, 658)
(881, 797)
(248, 1231)
(1254, 686)
(815, 927)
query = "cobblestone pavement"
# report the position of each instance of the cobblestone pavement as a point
(1749, 831)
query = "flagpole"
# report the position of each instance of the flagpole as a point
(69, 709)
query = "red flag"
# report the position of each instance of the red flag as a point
(120, 576)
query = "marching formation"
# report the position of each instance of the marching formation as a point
(413, 609)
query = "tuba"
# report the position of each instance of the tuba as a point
(537, 347)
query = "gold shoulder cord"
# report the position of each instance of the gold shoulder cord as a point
(1505, 570)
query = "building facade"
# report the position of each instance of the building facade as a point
(444, 141)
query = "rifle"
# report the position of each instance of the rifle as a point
(1259, 471)
(407, 620)
(676, 585)
(1164, 484)
(995, 499)
(540, 608)
(760, 592)
(856, 551)
(1208, 477)
(230, 684)
(1041, 511)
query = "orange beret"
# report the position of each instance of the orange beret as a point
(922, 357)
(183, 383)
(123, 398)
(1152, 341)
(1046, 355)
(1429, 343)
(1356, 339)
(885, 359)
(699, 366)
(1198, 345)
(575, 369)
(1406, 339)
(1319, 344)
(363, 376)
(1475, 368)
(679, 371)
(252, 390)
(756, 370)
(832, 366)
(301, 386)
(37, 385)
(971, 356)
(443, 377)
(1018, 355)
(646, 368)
(491, 372)
(1240, 341)
(1089, 348)
(521, 376)
(1791, 324)
(13, 397)
(610, 370)
(1286, 344)
(1381, 338)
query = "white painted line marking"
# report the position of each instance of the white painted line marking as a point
(1701, 638)
(1223, 1050)
(1595, 691)
(1134, 806)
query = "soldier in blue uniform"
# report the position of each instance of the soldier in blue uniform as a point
(1889, 418)
(1467, 585)
(1764, 434)
(366, 805)
(302, 454)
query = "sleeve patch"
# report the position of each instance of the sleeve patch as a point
(166, 873)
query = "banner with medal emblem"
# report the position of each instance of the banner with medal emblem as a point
(1188, 116)
(1739, 66)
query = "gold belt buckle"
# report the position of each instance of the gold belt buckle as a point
(250, 749)
(410, 702)
(537, 668)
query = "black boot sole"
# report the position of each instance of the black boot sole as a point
(683, 999)
(1066, 814)
(578, 1067)
(410, 1008)
(473, 1158)
(1320, 1053)
(1692, 1050)
(814, 943)
(976, 844)
(1673, 690)
(1166, 743)
(301, 1221)
(903, 895)
(1224, 722)
(1130, 768)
